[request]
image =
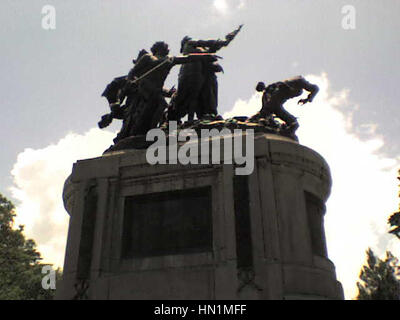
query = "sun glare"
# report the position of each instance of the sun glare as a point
(221, 6)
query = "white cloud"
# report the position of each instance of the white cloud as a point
(39, 177)
(224, 7)
(364, 191)
(221, 6)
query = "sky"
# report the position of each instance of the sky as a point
(51, 83)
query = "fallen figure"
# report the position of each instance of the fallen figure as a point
(276, 94)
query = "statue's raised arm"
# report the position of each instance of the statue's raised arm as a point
(230, 36)
(211, 45)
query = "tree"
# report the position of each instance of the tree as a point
(379, 278)
(394, 219)
(20, 268)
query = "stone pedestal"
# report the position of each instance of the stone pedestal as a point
(176, 231)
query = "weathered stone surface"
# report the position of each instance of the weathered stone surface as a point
(284, 264)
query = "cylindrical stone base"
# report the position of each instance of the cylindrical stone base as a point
(173, 231)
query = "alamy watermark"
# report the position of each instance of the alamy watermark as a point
(49, 280)
(238, 147)
(349, 18)
(48, 17)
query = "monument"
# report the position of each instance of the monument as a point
(197, 230)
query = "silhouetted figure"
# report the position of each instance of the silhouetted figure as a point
(149, 73)
(276, 94)
(112, 93)
(197, 82)
(122, 96)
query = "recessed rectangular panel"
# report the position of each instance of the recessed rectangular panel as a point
(166, 223)
(315, 213)
(244, 247)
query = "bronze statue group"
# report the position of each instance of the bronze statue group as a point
(139, 98)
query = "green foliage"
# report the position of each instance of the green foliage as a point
(20, 267)
(394, 221)
(379, 278)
